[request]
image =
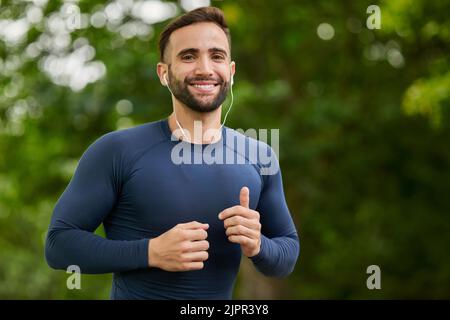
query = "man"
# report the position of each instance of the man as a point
(176, 230)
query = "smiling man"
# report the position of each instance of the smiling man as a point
(177, 231)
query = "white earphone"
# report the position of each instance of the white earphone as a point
(229, 108)
(165, 79)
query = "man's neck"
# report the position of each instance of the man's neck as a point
(197, 127)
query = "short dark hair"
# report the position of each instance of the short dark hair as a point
(204, 14)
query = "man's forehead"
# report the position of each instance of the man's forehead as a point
(202, 36)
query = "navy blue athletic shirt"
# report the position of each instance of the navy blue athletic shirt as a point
(128, 180)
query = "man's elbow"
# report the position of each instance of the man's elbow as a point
(292, 254)
(51, 252)
(280, 272)
(287, 265)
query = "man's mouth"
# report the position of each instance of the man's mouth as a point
(204, 86)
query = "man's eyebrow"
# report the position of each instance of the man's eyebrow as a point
(188, 50)
(194, 50)
(218, 50)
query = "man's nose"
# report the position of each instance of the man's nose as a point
(204, 67)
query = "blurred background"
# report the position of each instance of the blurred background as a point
(363, 117)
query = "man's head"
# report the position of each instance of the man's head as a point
(196, 59)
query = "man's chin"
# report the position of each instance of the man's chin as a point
(204, 108)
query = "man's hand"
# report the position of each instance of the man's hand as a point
(242, 225)
(182, 248)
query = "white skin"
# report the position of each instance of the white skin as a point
(203, 37)
(184, 247)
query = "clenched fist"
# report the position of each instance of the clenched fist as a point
(182, 248)
(242, 225)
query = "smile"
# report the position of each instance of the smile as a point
(204, 88)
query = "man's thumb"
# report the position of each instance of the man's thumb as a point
(244, 197)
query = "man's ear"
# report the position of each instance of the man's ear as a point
(161, 70)
(232, 68)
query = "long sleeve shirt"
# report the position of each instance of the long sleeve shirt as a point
(140, 182)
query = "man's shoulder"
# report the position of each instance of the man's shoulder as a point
(145, 133)
(258, 152)
(133, 138)
(248, 137)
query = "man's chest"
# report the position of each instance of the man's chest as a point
(160, 194)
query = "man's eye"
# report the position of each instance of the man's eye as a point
(188, 57)
(218, 57)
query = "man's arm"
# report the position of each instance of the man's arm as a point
(267, 235)
(280, 244)
(87, 200)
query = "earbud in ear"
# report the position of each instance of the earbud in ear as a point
(232, 78)
(165, 78)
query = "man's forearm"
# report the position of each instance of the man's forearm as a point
(92, 253)
(277, 256)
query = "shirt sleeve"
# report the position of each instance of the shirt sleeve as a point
(280, 244)
(85, 203)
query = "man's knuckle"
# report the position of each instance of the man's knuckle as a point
(184, 246)
(180, 234)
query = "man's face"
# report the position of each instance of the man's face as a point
(198, 59)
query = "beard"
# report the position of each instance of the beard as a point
(180, 90)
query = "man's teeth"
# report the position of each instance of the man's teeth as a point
(204, 86)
